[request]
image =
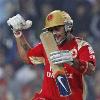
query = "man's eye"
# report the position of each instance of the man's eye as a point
(51, 30)
(57, 29)
(54, 29)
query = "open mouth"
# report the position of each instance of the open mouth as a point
(57, 36)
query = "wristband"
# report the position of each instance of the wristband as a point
(18, 34)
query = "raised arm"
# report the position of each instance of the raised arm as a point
(17, 24)
(23, 46)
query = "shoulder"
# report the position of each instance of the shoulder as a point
(81, 42)
(38, 45)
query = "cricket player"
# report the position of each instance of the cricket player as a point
(76, 55)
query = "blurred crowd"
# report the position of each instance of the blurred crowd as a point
(19, 81)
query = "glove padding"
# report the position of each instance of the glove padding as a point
(18, 23)
(63, 56)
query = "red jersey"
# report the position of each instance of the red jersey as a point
(81, 50)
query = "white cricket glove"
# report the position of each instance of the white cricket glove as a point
(63, 56)
(18, 23)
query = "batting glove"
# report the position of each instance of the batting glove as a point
(58, 57)
(18, 23)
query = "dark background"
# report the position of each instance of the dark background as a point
(19, 81)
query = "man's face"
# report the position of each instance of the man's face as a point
(59, 33)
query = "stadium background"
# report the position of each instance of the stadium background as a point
(19, 81)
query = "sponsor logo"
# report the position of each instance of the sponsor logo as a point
(60, 81)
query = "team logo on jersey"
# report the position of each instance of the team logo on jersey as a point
(74, 53)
